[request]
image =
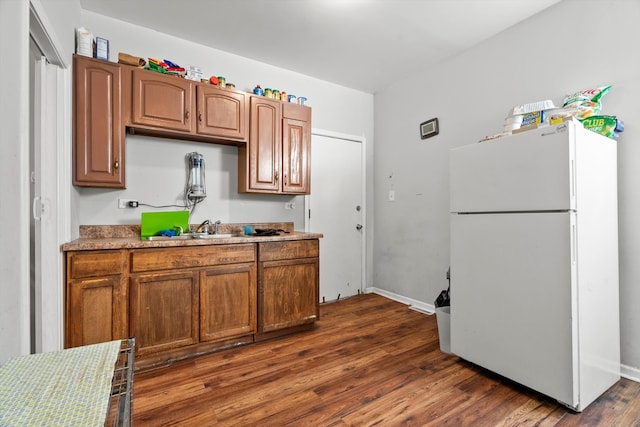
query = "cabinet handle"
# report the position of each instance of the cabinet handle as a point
(116, 165)
(186, 114)
(200, 116)
(277, 175)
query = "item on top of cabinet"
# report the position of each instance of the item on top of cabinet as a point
(84, 42)
(585, 103)
(532, 106)
(283, 96)
(608, 126)
(276, 94)
(302, 100)
(193, 73)
(230, 85)
(102, 48)
(126, 59)
(268, 93)
(222, 82)
(213, 80)
(258, 91)
(293, 99)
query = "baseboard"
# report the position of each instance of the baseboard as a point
(412, 303)
(627, 372)
(630, 373)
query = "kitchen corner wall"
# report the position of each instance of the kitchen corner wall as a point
(572, 46)
(155, 167)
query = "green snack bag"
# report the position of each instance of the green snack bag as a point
(587, 102)
(604, 125)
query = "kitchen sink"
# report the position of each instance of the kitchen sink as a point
(189, 236)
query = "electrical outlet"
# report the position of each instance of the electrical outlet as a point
(289, 205)
(392, 195)
(127, 203)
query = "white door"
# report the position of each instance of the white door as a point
(336, 209)
(46, 268)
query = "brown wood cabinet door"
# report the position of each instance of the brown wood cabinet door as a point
(96, 311)
(228, 302)
(296, 154)
(287, 293)
(161, 101)
(221, 113)
(98, 154)
(260, 161)
(164, 311)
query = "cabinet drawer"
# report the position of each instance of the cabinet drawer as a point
(95, 263)
(270, 251)
(191, 257)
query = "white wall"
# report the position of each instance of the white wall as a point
(156, 168)
(574, 45)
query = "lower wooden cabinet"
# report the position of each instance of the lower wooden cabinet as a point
(164, 311)
(227, 302)
(182, 301)
(288, 284)
(96, 297)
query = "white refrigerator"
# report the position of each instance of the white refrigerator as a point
(534, 260)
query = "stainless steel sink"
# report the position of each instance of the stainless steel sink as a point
(189, 236)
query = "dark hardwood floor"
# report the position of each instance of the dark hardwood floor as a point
(370, 362)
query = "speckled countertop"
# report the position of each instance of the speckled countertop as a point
(97, 237)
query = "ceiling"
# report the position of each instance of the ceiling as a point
(361, 44)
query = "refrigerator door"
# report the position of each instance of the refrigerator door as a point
(513, 287)
(531, 171)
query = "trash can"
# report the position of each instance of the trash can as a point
(443, 318)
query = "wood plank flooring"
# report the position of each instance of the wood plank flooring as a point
(370, 362)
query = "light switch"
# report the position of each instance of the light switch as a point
(392, 195)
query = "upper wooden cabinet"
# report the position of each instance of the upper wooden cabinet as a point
(186, 109)
(277, 157)
(221, 113)
(273, 137)
(99, 134)
(296, 149)
(161, 101)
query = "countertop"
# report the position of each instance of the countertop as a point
(101, 237)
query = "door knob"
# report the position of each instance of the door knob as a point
(358, 227)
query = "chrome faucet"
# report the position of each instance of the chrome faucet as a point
(204, 227)
(215, 227)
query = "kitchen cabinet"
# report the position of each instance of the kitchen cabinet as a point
(164, 311)
(222, 113)
(288, 285)
(228, 301)
(171, 106)
(276, 159)
(188, 297)
(181, 301)
(161, 101)
(296, 149)
(99, 134)
(96, 297)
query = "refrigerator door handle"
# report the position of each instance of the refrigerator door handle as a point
(573, 243)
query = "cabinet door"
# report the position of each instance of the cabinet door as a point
(96, 311)
(228, 302)
(260, 161)
(164, 311)
(221, 113)
(161, 101)
(287, 293)
(296, 150)
(98, 155)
